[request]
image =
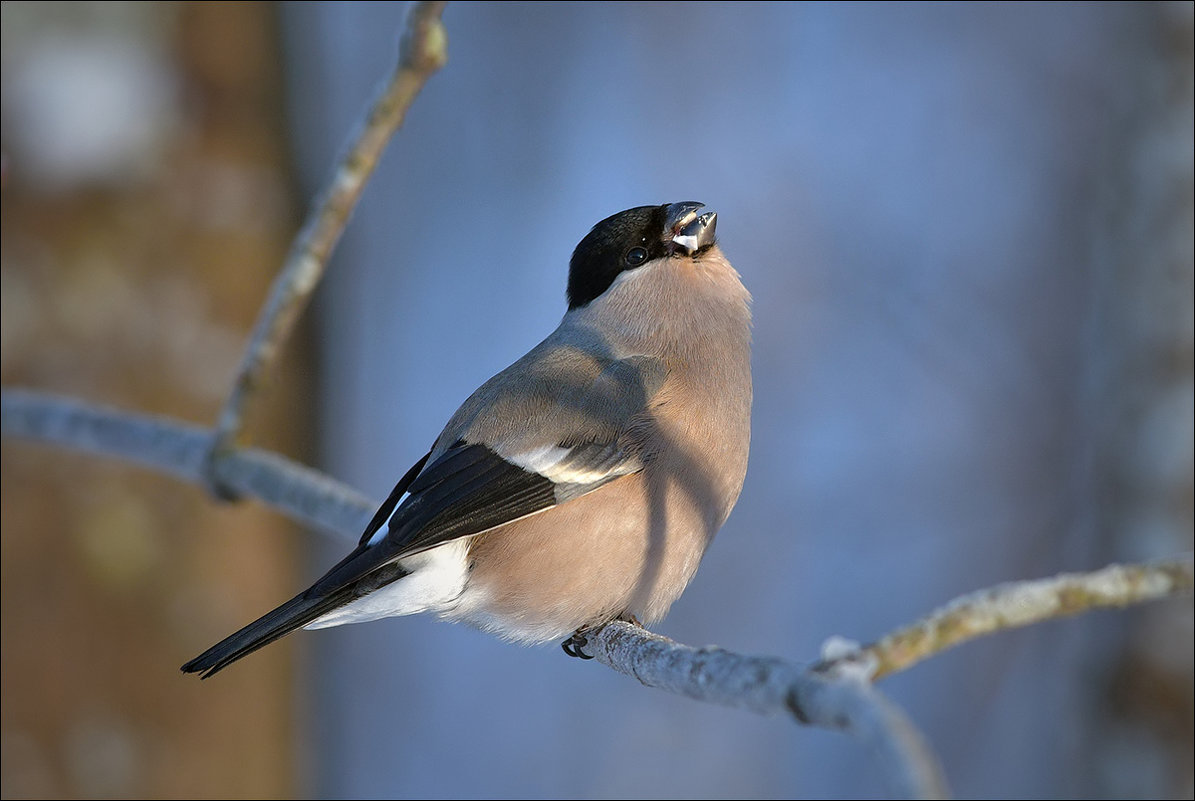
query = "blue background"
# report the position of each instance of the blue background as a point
(926, 202)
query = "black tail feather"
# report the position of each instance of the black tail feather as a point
(294, 614)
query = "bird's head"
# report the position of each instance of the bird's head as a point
(633, 238)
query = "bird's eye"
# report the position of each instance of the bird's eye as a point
(635, 256)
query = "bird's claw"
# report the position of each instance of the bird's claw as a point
(573, 645)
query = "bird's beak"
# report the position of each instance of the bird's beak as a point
(688, 232)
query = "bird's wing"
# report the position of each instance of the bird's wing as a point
(575, 439)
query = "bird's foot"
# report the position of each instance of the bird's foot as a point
(573, 645)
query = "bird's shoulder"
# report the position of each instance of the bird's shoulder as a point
(573, 388)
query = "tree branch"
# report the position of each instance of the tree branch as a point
(181, 450)
(1021, 603)
(422, 51)
(838, 697)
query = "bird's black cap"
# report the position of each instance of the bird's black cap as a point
(632, 238)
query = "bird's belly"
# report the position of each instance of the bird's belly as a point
(629, 547)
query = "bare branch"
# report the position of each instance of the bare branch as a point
(180, 449)
(423, 50)
(840, 697)
(1022, 603)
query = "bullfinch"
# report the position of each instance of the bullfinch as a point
(583, 483)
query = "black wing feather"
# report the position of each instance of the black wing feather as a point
(468, 490)
(490, 492)
(386, 509)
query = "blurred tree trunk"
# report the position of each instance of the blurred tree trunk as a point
(146, 206)
(1145, 411)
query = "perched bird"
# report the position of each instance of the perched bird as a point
(583, 483)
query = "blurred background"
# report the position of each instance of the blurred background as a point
(968, 230)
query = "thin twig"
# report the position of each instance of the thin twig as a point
(423, 50)
(1021, 603)
(180, 449)
(840, 698)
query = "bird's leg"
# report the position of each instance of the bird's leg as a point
(628, 618)
(573, 645)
